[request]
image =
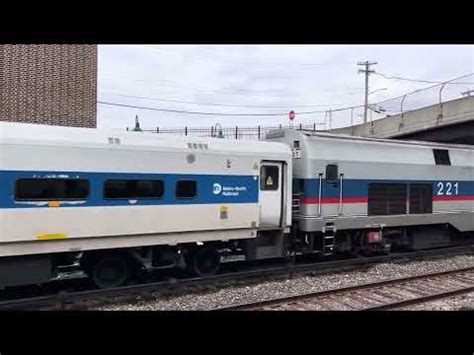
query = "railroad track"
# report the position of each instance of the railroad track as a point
(81, 300)
(381, 295)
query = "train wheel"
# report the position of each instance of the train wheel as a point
(111, 271)
(204, 262)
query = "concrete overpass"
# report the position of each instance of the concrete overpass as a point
(452, 121)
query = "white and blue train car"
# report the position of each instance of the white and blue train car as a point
(125, 200)
(354, 192)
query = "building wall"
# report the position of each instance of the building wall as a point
(49, 84)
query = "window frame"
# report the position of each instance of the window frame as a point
(185, 197)
(133, 198)
(277, 180)
(52, 199)
(331, 182)
(442, 157)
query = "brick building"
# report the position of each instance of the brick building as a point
(49, 84)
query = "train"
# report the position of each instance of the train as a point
(119, 204)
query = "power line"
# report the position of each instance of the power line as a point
(425, 88)
(417, 80)
(221, 105)
(253, 61)
(219, 92)
(223, 91)
(207, 113)
(268, 114)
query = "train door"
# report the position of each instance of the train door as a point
(271, 194)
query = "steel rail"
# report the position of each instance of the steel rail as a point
(312, 296)
(64, 299)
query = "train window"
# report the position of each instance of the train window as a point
(51, 189)
(387, 199)
(331, 173)
(269, 177)
(421, 198)
(441, 157)
(186, 189)
(133, 189)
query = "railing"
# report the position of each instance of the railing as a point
(236, 132)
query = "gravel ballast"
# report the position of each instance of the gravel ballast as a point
(463, 302)
(269, 289)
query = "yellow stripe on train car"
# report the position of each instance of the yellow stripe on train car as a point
(51, 236)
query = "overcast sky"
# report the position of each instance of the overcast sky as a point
(259, 79)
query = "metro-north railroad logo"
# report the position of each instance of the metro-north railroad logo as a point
(216, 188)
(228, 191)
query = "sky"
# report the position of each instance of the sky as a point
(270, 79)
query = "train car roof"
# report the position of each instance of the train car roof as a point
(21, 133)
(280, 133)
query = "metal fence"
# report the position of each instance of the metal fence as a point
(236, 132)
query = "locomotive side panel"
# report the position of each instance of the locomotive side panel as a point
(366, 165)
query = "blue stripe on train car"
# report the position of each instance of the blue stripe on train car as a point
(211, 189)
(358, 188)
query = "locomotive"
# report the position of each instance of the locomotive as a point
(121, 203)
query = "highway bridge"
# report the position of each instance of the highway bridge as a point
(450, 122)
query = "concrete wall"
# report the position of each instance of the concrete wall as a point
(432, 117)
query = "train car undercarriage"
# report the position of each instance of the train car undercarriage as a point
(116, 267)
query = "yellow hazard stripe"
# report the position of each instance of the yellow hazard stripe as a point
(51, 236)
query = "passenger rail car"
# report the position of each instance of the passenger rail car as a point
(354, 193)
(119, 203)
(124, 201)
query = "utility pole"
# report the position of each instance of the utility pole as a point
(367, 72)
